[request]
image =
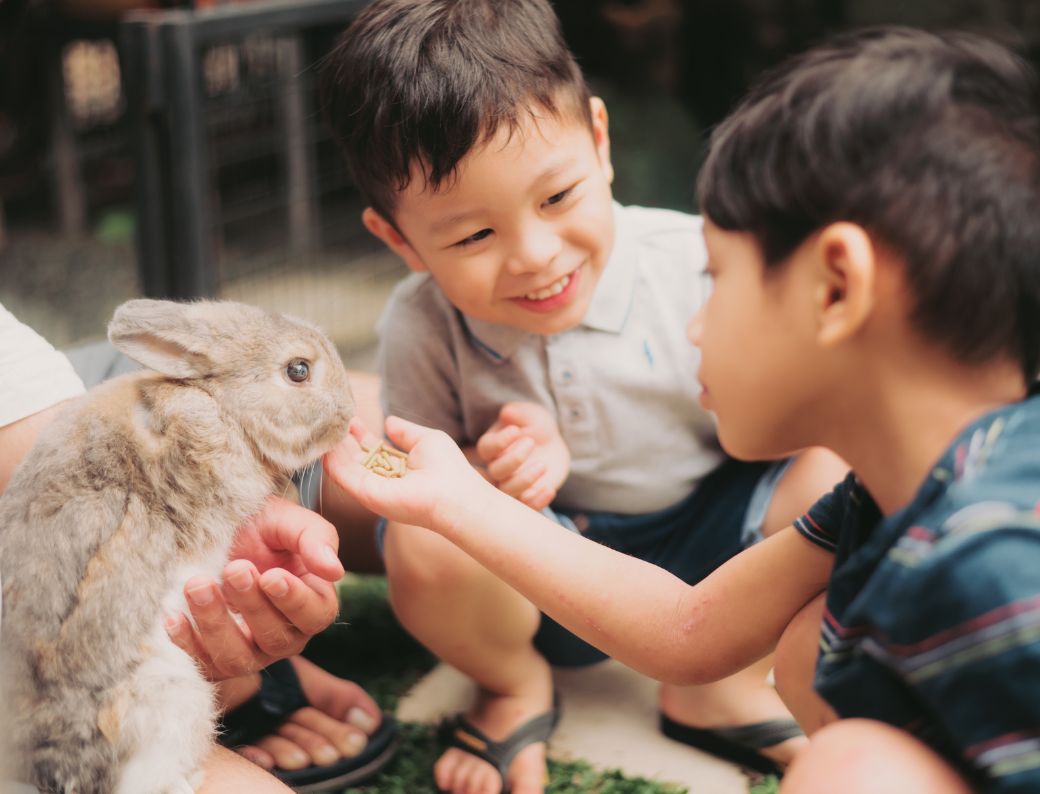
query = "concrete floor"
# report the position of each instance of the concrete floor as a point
(609, 720)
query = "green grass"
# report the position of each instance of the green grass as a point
(367, 645)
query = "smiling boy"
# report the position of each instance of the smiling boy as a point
(543, 330)
(871, 223)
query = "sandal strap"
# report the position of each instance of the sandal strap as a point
(280, 695)
(457, 731)
(761, 734)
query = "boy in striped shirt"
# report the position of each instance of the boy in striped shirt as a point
(873, 228)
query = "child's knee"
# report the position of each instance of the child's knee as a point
(869, 756)
(419, 561)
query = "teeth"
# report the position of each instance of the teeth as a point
(553, 289)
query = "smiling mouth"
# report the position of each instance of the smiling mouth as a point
(553, 289)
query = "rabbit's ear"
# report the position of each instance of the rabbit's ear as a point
(164, 336)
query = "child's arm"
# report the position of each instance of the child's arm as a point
(524, 454)
(634, 611)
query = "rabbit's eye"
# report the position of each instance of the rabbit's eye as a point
(298, 370)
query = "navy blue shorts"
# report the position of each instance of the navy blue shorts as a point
(690, 539)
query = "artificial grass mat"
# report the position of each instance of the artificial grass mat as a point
(367, 645)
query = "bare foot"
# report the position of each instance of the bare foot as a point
(498, 716)
(336, 725)
(742, 699)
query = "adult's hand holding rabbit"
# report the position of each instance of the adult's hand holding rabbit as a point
(280, 580)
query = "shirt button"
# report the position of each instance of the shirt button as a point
(575, 413)
(567, 376)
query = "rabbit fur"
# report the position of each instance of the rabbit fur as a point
(135, 487)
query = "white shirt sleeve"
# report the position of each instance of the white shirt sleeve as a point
(33, 375)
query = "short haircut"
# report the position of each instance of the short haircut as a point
(422, 82)
(928, 141)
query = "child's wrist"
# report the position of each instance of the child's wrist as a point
(481, 500)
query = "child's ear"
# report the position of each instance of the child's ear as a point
(844, 296)
(601, 136)
(385, 231)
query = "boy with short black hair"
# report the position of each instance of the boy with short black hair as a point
(542, 330)
(872, 227)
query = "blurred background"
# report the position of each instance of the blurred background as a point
(175, 149)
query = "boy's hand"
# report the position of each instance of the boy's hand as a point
(525, 455)
(438, 483)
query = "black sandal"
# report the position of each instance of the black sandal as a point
(457, 731)
(738, 745)
(279, 697)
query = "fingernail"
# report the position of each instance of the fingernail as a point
(362, 720)
(201, 596)
(241, 580)
(354, 744)
(296, 758)
(172, 622)
(277, 588)
(330, 555)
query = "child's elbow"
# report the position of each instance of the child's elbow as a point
(688, 663)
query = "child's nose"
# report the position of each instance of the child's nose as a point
(535, 250)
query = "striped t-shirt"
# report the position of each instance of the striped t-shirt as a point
(933, 613)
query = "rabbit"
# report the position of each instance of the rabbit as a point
(138, 485)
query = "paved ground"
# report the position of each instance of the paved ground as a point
(609, 720)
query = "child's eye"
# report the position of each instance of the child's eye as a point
(473, 238)
(556, 198)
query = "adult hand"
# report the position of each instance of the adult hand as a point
(524, 454)
(280, 582)
(438, 483)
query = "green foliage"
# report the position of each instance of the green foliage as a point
(577, 777)
(770, 784)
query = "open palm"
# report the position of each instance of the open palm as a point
(438, 482)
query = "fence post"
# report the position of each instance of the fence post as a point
(191, 232)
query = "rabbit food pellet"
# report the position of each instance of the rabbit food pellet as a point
(385, 460)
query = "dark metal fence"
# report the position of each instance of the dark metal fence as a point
(239, 190)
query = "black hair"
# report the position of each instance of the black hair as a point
(929, 141)
(422, 82)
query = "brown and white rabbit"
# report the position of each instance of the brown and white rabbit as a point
(135, 487)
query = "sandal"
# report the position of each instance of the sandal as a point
(457, 731)
(280, 696)
(738, 745)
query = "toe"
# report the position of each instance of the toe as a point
(444, 769)
(287, 754)
(261, 758)
(464, 774)
(315, 745)
(486, 780)
(347, 739)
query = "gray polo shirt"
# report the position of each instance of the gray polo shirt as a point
(622, 384)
